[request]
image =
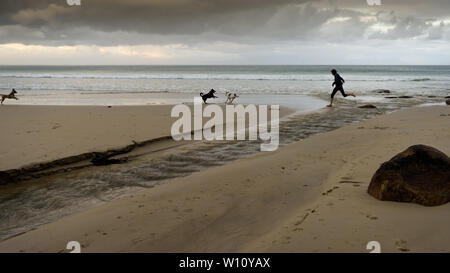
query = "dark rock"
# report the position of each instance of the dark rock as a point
(420, 174)
(405, 97)
(447, 101)
(431, 96)
(383, 91)
(448, 97)
(391, 97)
(367, 106)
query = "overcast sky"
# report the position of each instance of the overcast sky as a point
(225, 32)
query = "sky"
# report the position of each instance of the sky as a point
(228, 32)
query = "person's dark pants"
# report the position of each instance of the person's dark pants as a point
(338, 88)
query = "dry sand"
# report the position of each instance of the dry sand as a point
(44, 133)
(309, 196)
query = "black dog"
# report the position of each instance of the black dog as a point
(209, 95)
(11, 95)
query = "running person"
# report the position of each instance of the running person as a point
(338, 83)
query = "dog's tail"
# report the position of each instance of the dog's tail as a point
(201, 94)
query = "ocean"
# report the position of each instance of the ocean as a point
(131, 85)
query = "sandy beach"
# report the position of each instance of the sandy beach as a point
(309, 196)
(37, 134)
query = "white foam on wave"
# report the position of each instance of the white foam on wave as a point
(369, 98)
(209, 76)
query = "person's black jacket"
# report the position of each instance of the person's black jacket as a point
(338, 80)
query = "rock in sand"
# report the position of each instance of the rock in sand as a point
(420, 174)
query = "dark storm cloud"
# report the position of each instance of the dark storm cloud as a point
(151, 16)
(111, 22)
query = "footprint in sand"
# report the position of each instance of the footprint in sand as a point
(371, 217)
(56, 126)
(380, 127)
(137, 240)
(354, 183)
(286, 240)
(101, 232)
(330, 190)
(401, 245)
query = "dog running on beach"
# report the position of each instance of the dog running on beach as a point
(209, 95)
(230, 97)
(11, 95)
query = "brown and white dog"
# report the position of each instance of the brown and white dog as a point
(230, 97)
(10, 96)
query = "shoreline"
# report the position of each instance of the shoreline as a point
(258, 204)
(159, 98)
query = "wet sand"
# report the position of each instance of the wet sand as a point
(308, 196)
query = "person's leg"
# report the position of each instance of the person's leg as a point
(331, 103)
(332, 96)
(341, 88)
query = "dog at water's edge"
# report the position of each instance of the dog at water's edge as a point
(11, 95)
(231, 97)
(209, 95)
